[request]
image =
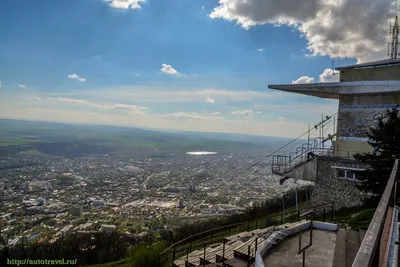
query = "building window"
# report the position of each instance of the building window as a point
(350, 174)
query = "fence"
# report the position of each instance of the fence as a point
(216, 235)
(284, 164)
(370, 253)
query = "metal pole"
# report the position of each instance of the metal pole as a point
(308, 142)
(223, 251)
(306, 198)
(248, 256)
(322, 132)
(173, 254)
(297, 202)
(204, 255)
(304, 258)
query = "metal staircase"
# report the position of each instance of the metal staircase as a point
(284, 164)
(300, 155)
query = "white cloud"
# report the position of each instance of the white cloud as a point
(22, 86)
(125, 4)
(210, 100)
(168, 69)
(328, 107)
(160, 94)
(217, 113)
(283, 119)
(335, 28)
(303, 79)
(202, 7)
(245, 113)
(81, 102)
(327, 76)
(0, 84)
(260, 49)
(193, 115)
(76, 76)
(36, 98)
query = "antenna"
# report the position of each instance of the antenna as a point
(333, 68)
(394, 32)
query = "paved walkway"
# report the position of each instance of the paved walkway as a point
(321, 253)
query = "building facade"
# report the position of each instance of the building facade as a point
(364, 93)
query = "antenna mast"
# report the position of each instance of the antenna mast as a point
(394, 32)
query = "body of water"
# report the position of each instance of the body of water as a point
(201, 153)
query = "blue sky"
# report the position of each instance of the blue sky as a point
(173, 64)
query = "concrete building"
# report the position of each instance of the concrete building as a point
(108, 228)
(77, 211)
(30, 237)
(364, 93)
(66, 230)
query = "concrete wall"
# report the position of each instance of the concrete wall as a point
(265, 247)
(328, 188)
(346, 147)
(307, 172)
(371, 74)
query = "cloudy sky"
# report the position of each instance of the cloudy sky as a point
(181, 64)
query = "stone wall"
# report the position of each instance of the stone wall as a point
(329, 188)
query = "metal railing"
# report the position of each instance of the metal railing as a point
(285, 164)
(201, 240)
(369, 254)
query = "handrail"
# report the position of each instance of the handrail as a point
(368, 248)
(315, 208)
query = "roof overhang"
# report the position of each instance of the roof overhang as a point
(335, 89)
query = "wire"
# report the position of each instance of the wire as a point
(271, 154)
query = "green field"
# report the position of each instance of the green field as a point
(34, 138)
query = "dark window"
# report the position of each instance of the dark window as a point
(350, 175)
(341, 173)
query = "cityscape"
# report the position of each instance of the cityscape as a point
(47, 197)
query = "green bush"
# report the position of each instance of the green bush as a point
(362, 219)
(144, 255)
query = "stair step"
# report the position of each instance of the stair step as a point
(339, 259)
(353, 244)
(236, 262)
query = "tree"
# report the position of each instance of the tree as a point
(385, 137)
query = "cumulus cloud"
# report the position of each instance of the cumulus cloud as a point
(168, 69)
(327, 76)
(202, 7)
(36, 98)
(81, 102)
(260, 49)
(283, 119)
(245, 113)
(335, 28)
(303, 79)
(76, 77)
(125, 4)
(210, 100)
(217, 113)
(22, 86)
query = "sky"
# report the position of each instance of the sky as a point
(197, 65)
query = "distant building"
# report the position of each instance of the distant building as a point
(67, 230)
(77, 211)
(98, 203)
(106, 228)
(41, 201)
(180, 203)
(27, 187)
(30, 237)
